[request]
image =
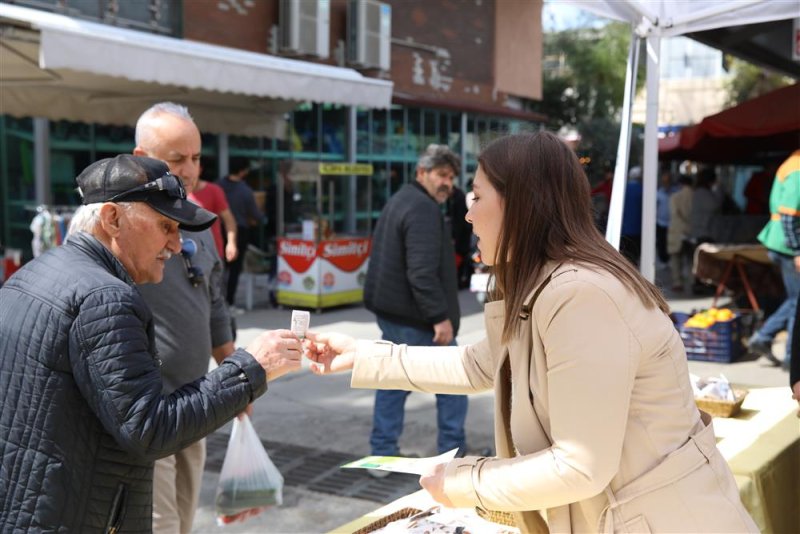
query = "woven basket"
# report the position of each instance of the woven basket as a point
(722, 408)
(500, 518)
(385, 520)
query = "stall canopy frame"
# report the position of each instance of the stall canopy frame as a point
(651, 20)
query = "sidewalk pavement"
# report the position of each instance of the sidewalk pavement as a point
(312, 424)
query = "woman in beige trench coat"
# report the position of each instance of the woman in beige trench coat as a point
(595, 422)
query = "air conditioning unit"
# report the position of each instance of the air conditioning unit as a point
(305, 27)
(369, 34)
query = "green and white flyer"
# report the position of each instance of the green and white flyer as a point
(399, 464)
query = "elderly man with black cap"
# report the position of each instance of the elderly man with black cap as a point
(82, 414)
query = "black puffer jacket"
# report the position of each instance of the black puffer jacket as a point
(82, 417)
(411, 277)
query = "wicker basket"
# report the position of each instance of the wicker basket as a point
(722, 408)
(385, 520)
(500, 518)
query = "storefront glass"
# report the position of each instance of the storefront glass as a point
(390, 140)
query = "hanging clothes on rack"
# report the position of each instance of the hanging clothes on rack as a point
(49, 227)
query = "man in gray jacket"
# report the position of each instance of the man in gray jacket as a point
(412, 288)
(82, 411)
(191, 318)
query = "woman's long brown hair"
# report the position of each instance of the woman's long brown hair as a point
(547, 217)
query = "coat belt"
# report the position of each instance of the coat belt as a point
(696, 452)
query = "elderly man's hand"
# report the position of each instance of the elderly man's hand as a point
(796, 395)
(278, 351)
(248, 412)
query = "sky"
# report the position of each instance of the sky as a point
(558, 16)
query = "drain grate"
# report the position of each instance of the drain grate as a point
(319, 471)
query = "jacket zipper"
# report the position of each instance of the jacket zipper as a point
(117, 510)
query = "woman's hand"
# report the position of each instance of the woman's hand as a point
(331, 353)
(433, 482)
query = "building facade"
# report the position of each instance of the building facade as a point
(462, 73)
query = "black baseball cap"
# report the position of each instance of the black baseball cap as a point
(128, 178)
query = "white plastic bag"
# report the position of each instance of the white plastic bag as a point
(249, 482)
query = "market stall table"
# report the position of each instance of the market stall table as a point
(762, 447)
(738, 267)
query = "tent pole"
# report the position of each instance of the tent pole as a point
(614, 224)
(650, 170)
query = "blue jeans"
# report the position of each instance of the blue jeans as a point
(387, 419)
(783, 317)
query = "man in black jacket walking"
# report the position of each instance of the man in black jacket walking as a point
(82, 413)
(412, 288)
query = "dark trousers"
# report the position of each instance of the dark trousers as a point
(387, 418)
(235, 267)
(661, 243)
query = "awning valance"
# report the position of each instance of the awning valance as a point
(768, 123)
(62, 68)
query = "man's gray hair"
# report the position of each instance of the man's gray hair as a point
(439, 156)
(86, 217)
(162, 108)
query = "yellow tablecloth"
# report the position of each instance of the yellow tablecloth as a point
(761, 445)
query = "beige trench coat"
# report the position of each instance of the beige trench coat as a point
(596, 426)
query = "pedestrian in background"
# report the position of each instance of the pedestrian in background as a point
(630, 242)
(192, 322)
(706, 207)
(781, 236)
(245, 210)
(679, 232)
(456, 209)
(594, 417)
(794, 363)
(665, 191)
(601, 197)
(84, 413)
(411, 287)
(211, 196)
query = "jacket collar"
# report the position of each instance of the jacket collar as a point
(422, 190)
(93, 248)
(550, 270)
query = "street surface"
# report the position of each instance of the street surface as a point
(310, 423)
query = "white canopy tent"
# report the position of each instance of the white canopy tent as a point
(58, 67)
(650, 21)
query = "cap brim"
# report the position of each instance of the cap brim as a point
(189, 215)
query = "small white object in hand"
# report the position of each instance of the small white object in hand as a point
(300, 321)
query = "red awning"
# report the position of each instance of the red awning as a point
(768, 123)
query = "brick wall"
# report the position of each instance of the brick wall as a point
(220, 22)
(451, 50)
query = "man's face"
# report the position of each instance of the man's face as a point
(438, 182)
(176, 142)
(146, 240)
